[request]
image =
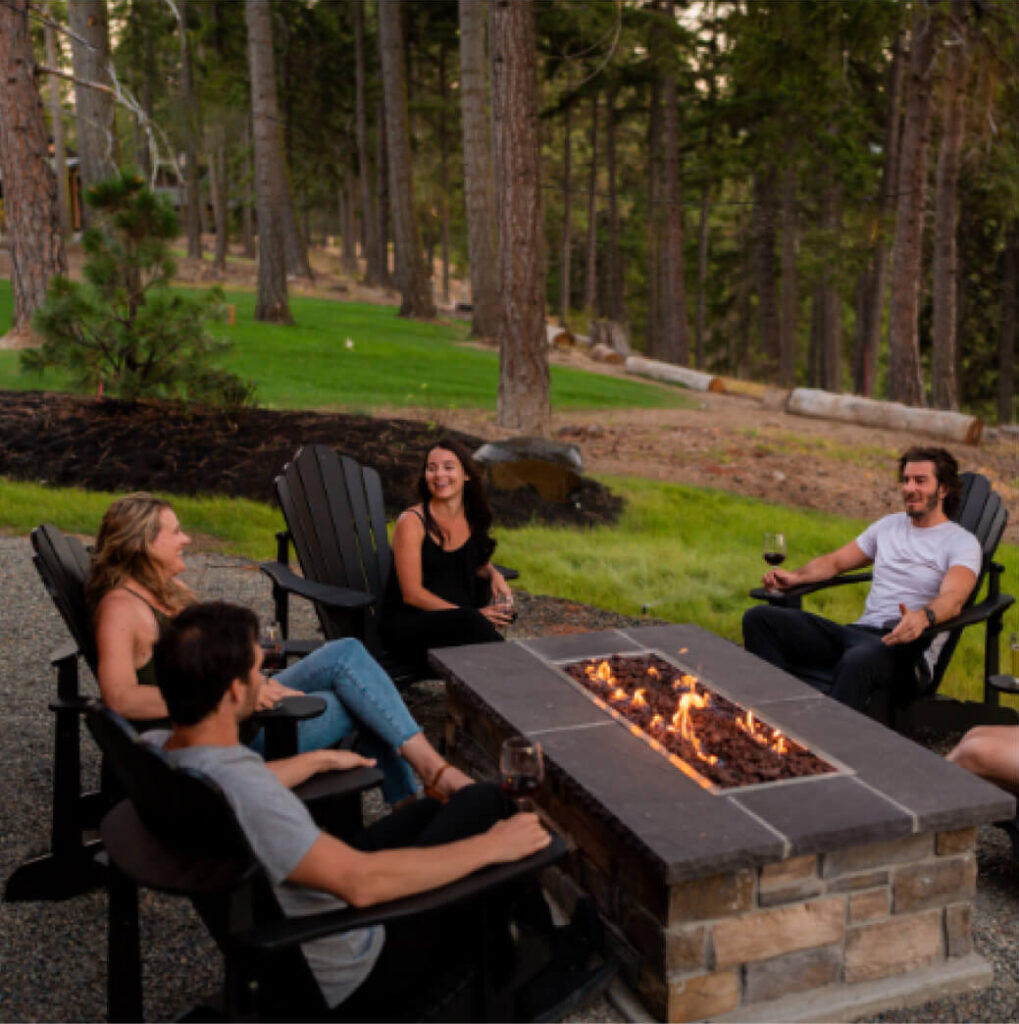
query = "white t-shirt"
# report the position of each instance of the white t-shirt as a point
(910, 563)
(281, 831)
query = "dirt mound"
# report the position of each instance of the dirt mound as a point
(116, 446)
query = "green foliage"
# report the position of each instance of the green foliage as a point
(124, 326)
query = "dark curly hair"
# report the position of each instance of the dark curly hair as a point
(946, 472)
(476, 507)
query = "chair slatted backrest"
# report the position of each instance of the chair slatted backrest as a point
(983, 513)
(63, 563)
(337, 521)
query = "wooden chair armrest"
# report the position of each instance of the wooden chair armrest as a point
(64, 652)
(324, 593)
(794, 593)
(975, 614)
(279, 935)
(507, 572)
(331, 785)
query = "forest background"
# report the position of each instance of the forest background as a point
(819, 193)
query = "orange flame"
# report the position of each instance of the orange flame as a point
(639, 699)
(618, 694)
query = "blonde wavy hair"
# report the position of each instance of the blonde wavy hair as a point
(129, 527)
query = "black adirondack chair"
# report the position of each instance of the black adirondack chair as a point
(983, 513)
(70, 866)
(177, 833)
(336, 520)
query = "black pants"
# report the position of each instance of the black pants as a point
(411, 633)
(419, 949)
(814, 649)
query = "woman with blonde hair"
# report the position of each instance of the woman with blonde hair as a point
(133, 589)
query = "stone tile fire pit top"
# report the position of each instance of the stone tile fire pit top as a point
(886, 786)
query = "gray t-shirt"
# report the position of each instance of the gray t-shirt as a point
(910, 563)
(281, 831)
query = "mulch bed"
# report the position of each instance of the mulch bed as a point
(111, 445)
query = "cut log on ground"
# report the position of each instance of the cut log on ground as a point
(558, 336)
(745, 388)
(672, 374)
(868, 412)
(613, 334)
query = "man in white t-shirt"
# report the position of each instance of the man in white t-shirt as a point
(925, 567)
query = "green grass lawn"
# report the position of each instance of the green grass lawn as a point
(687, 554)
(388, 361)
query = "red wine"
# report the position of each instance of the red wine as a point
(521, 785)
(272, 657)
(774, 557)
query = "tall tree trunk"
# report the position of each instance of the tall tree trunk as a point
(815, 349)
(348, 223)
(764, 217)
(831, 309)
(482, 250)
(190, 134)
(412, 275)
(675, 337)
(443, 173)
(382, 190)
(57, 128)
(865, 360)
(523, 349)
(369, 212)
(790, 287)
(655, 229)
(1006, 341)
(30, 187)
(613, 306)
(591, 265)
(271, 189)
(944, 349)
(90, 58)
(905, 380)
(248, 210)
(566, 247)
(220, 193)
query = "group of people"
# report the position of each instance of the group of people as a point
(163, 654)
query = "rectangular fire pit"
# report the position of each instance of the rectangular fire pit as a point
(820, 896)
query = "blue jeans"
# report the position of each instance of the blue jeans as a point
(358, 695)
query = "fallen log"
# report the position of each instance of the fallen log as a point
(604, 354)
(611, 333)
(673, 374)
(746, 388)
(869, 412)
(558, 336)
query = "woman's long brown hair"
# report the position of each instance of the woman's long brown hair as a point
(129, 526)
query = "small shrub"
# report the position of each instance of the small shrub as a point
(124, 326)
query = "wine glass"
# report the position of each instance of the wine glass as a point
(505, 601)
(774, 548)
(521, 769)
(271, 641)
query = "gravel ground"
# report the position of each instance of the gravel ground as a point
(52, 955)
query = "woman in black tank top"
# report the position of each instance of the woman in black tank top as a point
(444, 590)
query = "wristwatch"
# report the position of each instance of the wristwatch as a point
(932, 619)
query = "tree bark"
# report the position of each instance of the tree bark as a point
(905, 381)
(675, 336)
(765, 269)
(369, 210)
(831, 308)
(220, 192)
(1006, 341)
(271, 192)
(57, 128)
(382, 190)
(566, 247)
(90, 58)
(523, 353)
(865, 361)
(248, 211)
(481, 239)
(443, 173)
(613, 303)
(348, 222)
(790, 288)
(591, 266)
(655, 229)
(30, 188)
(944, 349)
(413, 277)
(190, 134)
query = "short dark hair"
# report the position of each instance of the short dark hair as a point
(198, 655)
(946, 472)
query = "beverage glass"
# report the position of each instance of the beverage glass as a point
(271, 642)
(506, 601)
(774, 549)
(521, 770)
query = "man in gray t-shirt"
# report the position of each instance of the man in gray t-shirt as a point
(207, 664)
(925, 568)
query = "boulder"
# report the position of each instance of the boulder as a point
(552, 468)
(541, 448)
